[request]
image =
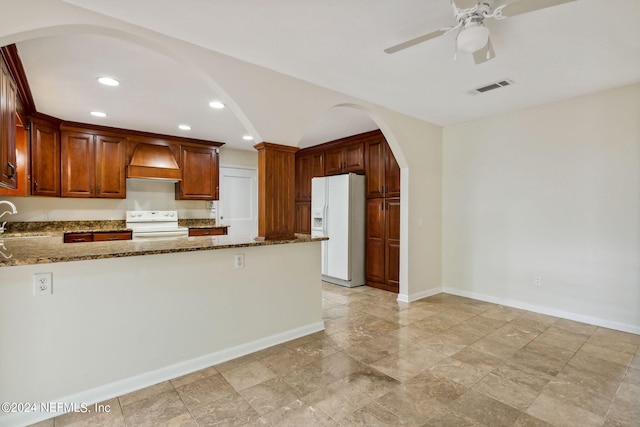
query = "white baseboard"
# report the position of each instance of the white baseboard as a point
(119, 388)
(419, 295)
(634, 329)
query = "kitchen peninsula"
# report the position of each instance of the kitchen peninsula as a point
(124, 315)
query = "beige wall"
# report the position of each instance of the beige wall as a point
(550, 192)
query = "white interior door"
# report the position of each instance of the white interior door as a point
(238, 206)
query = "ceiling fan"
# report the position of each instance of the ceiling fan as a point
(473, 36)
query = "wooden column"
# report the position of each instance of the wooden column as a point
(276, 191)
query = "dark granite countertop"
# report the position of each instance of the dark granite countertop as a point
(41, 248)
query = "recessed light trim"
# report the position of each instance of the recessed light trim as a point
(184, 127)
(247, 138)
(108, 81)
(98, 114)
(216, 104)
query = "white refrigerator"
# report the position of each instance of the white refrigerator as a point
(338, 212)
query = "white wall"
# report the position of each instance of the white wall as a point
(119, 324)
(240, 158)
(550, 192)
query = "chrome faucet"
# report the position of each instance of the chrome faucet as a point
(12, 210)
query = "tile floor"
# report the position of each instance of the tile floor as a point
(441, 361)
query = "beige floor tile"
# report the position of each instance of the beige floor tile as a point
(309, 378)
(269, 395)
(194, 376)
(484, 409)
(625, 410)
(605, 353)
(145, 393)
(300, 414)
(562, 338)
(435, 387)
(232, 410)
(103, 413)
(518, 393)
(160, 409)
(527, 420)
(632, 376)
(205, 390)
(412, 408)
(248, 375)
(598, 366)
(372, 383)
(464, 373)
(338, 399)
(542, 357)
(372, 415)
(560, 413)
(577, 327)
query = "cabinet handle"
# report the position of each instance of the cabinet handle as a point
(382, 189)
(35, 185)
(112, 238)
(97, 190)
(13, 170)
(78, 240)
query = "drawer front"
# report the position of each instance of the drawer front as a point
(78, 237)
(107, 236)
(218, 231)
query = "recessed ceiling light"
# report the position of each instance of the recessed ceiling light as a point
(216, 104)
(247, 138)
(98, 114)
(108, 81)
(184, 127)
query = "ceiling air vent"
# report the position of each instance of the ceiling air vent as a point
(491, 86)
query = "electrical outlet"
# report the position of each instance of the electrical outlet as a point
(42, 284)
(537, 282)
(239, 263)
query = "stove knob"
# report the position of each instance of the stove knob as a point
(171, 214)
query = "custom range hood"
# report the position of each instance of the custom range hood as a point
(151, 161)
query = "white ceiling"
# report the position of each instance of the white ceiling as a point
(551, 54)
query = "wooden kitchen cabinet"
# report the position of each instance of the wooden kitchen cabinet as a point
(107, 236)
(93, 165)
(308, 166)
(45, 158)
(382, 251)
(344, 159)
(382, 171)
(97, 236)
(208, 231)
(200, 173)
(303, 217)
(8, 172)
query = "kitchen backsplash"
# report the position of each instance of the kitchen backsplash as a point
(141, 195)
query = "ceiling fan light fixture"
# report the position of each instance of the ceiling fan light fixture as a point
(472, 38)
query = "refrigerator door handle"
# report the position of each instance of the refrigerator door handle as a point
(325, 218)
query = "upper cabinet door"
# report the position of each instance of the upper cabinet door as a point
(353, 158)
(375, 172)
(8, 173)
(45, 159)
(78, 164)
(111, 152)
(344, 159)
(333, 161)
(200, 173)
(392, 178)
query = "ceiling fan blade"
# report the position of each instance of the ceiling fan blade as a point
(526, 6)
(417, 40)
(484, 54)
